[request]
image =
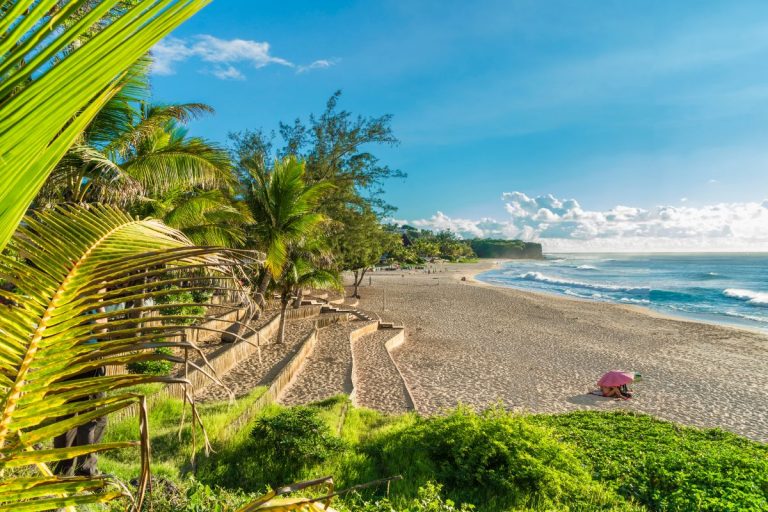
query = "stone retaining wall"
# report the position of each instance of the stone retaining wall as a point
(397, 339)
(226, 358)
(222, 361)
(331, 318)
(353, 337)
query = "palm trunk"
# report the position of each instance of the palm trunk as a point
(283, 307)
(263, 285)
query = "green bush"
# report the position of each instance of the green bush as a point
(187, 496)
(202, 296)
(429, 499)
(292, 440)
(666, 466)
(174, 308)
(494, 458)
(153, 367)
(282, 445)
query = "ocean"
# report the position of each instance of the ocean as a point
(727, 289)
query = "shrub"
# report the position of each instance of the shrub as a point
(202, 296)
(428, 499)
(174, 308)
(494, 458)
(666, 466)
(292, 440)
(153, 367)
(281, 447)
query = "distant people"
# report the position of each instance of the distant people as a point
(613, 384)
(616, 392)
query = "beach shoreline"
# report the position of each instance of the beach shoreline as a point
(477, 343)
(487, 265)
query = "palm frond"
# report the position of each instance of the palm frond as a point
(54, 79)
(121, 112)
(161, 165)
(154, 118)
(207, 217)
(85, 174)
(284, 207)
(72, 267)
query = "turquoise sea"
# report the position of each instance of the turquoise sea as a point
(722, 288)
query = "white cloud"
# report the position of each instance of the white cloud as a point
(318, 64)
(221, 56)
(227, 73)
(563, 225)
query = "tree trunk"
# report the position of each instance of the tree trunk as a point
(261, 299)
(361, 273)
(354, 283)
(283, 307)
(299, 297)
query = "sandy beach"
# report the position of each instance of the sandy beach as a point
(472, 343)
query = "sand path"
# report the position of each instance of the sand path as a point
(378, 383)
(328, 370)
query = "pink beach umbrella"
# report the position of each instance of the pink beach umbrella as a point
(616, 378)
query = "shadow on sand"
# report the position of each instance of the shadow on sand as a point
(588, 399)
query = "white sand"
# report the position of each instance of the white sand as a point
(467, 342)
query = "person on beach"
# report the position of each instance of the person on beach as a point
(614, 392)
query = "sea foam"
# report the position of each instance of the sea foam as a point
(542, 278)
(750, 296)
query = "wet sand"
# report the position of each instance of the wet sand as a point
(472, 343)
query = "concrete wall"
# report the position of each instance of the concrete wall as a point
(300, 313)
(355, 335)
(224, 359)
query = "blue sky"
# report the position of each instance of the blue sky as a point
(654, 106)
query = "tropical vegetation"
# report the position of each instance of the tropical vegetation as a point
(493, 460)
(121, 234)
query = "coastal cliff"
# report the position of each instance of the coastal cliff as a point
(511, 249)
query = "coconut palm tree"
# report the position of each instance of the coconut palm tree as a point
(207, 217)
(145, 158)
(60, 63)
(67, 266)
(299, 272)
(284, 208)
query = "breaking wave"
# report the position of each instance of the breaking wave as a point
(750, 296)
(539, 277)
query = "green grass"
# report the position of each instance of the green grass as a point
(172, 447)
(495, 460)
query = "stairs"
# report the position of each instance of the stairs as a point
(360, 315)
(350, 352)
